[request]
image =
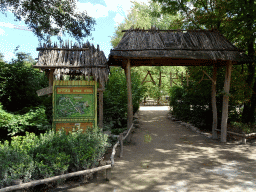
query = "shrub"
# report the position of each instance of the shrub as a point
(31, 157)
(18, 85)
(115, 97)
(17, 124)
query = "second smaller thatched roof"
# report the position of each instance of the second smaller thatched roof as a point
(74, 59)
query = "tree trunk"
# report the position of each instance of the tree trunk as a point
(249, 108)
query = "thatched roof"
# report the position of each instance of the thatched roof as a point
(74, 59)
(174, 47)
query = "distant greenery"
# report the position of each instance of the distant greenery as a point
(31, 157)
(18, 85)
(115, 97)
(192, 103)
(21, 109)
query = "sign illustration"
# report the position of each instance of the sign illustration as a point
(74, 104)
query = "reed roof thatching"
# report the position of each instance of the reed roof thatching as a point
(74, 59)
(174, 47)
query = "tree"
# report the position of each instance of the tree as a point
(47, 17)
(235, 19)
(19, 83)
(145, 16)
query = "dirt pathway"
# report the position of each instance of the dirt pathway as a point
(177, 159)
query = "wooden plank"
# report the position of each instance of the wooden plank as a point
(129, 94)
(44, 91)
(224, 119)
(214, 105)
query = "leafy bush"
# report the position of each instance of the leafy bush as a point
(18, 85)
(115, 97)
(18, 124)
(31, 157)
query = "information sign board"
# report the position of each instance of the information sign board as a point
(74, 104)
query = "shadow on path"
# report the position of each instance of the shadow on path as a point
(166, 156)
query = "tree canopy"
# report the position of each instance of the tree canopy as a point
(235, 19)
(48, 17)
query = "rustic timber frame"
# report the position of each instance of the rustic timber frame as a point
(154, 47)
(74, 60)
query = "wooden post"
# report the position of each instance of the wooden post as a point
(101, 107)
(121, 144)
(108, 171)
(50, 78)
(129, 94)
(214, 105)
(224, 119)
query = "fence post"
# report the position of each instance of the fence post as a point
(121, 144)
(108, 171)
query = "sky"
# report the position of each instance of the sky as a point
(107, 13)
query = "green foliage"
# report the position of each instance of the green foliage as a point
(39, 16)
(145, 16)
(189, 102)
(17, 124)
(162, 85)
(115, 97)
(31, 157)
(235, 19)
(244, 127)
(18, 85)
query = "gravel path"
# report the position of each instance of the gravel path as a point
(166, 156)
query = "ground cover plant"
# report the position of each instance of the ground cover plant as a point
(32, 157)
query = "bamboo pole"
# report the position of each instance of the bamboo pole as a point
(214, 105)
(224, 119)
(129, 94)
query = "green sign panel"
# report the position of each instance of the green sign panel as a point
(74, 104)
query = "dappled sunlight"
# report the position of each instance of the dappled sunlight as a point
(165, 156)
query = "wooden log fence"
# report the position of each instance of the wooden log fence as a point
(110, 164)
(244, 135)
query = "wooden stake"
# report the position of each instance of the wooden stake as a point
(101, 107)
(129, 94)
(121, 144)
(224, 119)
(214, 105)
(50, 79)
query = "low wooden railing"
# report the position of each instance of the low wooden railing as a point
(244, 135)
(110, 164)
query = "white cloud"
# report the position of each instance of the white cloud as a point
(95, 11)
(118, 18)
(3, 24)
(8, 56)
(2, 31)
(120, 7)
